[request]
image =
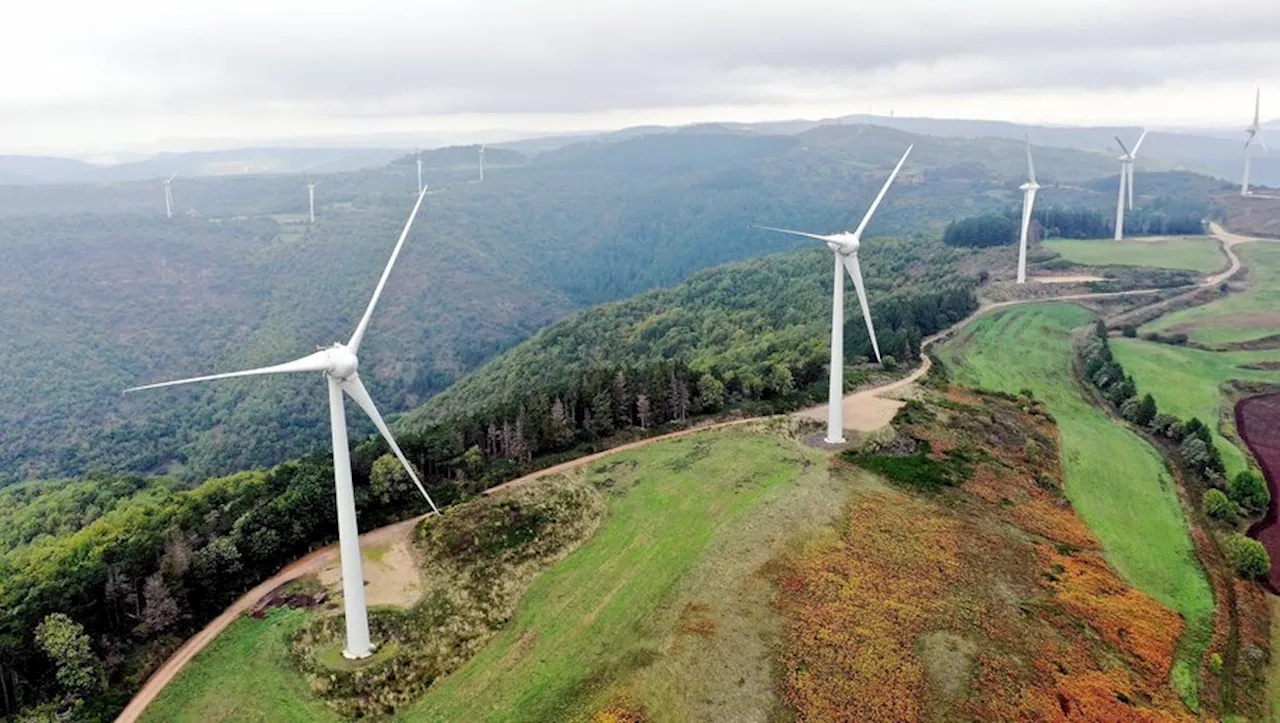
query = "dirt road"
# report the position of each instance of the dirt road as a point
(856, 406)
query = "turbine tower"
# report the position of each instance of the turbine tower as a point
(481, 179)
(1126, 180)
(168, 196)
(311, 198)
(338, 364)
(1028, 201)
(1255, 134)
(844, 247)
(420, 186)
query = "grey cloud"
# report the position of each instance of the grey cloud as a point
(584, 57)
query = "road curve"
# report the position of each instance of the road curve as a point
(317, 560)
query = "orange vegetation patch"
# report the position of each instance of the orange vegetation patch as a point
(988, 602)
(618, 713)
(1128, 619)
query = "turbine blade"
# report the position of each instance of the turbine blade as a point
(1126, 150)
(355, 389)
(1129, 183)
(1031, 166)
(363, 326)
(1138, 145)
(880, 196)
(175, 175)
(793, 233)
(851, 264)
(316, 362)
(1257, 107)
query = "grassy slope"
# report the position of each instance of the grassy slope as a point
(690, 524)
(1238, 317)
(577, 637)
(1115, 481)
(244, 675)
(1186, 382)
(1194, 254)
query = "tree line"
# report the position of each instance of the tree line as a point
(1192, 441)
(1002, 229)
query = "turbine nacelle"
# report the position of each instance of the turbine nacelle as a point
(1029, 186)
(845, 244)
(343, 363)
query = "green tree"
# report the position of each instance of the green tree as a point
(1248, 556)
(1249, 490)
(388, 479)
(1217, 506)
(1147, 410)
(711, 392)
(65, 642)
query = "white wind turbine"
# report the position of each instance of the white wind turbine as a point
(421, 188)
(481, 179)
(338, 363)
(1126, 180)
(311, 198)
(845, 250)
(1028, 201)
(1255, 133)
(168, 196)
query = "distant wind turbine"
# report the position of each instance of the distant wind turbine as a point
(481, 179)
(844, 247)
(339, 363)
(168, 196)
(421, 188)
(1126, 180)
(1255, 134)
(311, 198)
(1028, 201)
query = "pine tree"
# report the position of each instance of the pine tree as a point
(642, 410)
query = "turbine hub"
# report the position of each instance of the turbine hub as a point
(342, 362)
(844, 244)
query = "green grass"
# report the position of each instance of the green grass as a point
(1238, 317)
(1114, 479)
(592, 622)
(244, 675)
(1185, 382)
(1195, 253)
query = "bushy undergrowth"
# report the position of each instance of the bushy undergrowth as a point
(919, 471)
(478, 559)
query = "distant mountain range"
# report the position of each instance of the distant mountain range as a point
(1216, 152)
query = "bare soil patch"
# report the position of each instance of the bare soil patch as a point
(391, 574)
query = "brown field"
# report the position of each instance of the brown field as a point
(1258, 419)
(991, 601)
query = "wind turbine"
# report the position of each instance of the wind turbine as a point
(1028, 201)
(481, 179)
(1126, 180)
(1255, 133)
(311, 198)
(168, 196)
(420, 186)
(338, 363)
(844, 247)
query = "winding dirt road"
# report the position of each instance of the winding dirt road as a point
(854, 402)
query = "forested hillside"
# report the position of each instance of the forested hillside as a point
(112, 294)
(141, 563)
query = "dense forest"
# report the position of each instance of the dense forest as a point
(113, 294)
(137, 564)
(1000, 229)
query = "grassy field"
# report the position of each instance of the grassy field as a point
(1237, 317)
(1194, 253)
(1115, 480)
(602, 621)
(244, 675)
(1185, 382)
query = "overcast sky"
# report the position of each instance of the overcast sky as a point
(92, 77)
